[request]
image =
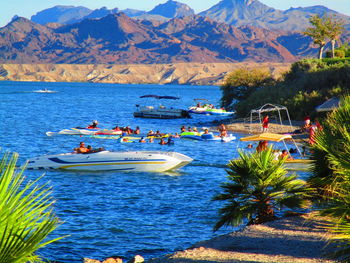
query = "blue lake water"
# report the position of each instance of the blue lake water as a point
(114, 213)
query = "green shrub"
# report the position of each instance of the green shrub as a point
(242, 82)
(337, 53)
(309, 83)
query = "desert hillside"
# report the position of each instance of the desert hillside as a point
(177, 73)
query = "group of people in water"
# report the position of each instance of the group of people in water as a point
(279, 155)
(222, 130)
(168, 139)
(162, 140)
(124, 130)
(127, 130)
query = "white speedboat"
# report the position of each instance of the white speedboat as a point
(161, 111)
(142, 161)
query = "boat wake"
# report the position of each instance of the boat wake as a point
(215, 165)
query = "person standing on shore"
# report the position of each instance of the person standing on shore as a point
(265, 123)
(312, 132)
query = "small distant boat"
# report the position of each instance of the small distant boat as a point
(44, 91)
(295, 164)
(208, 109)
(160, 112)
(142, 161)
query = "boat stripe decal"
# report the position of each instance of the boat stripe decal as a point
(58, 160)
(94, 164)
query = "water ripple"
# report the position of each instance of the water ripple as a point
(112, 213)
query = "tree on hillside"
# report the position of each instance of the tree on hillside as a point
(318, 32)
(242, 82)
(335, 28)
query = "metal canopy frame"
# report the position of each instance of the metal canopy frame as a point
(268, 107)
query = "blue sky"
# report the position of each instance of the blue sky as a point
(27, 8)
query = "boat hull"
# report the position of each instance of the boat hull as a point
(73, 131)
(162, 114)
(142, 161)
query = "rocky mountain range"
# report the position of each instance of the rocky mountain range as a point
(249, 32)
(72, 14)
(117, 38)
(255, 13)
(232, 12)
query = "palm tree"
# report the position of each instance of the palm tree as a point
(318, 32)
(258, 186)
(332, 148)
(338, 207)
(26, 216)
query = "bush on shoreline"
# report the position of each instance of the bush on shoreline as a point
(308, 84)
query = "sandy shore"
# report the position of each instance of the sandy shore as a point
(292, 239)
(242, 127)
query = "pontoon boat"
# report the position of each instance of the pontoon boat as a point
(297, 163)
(161, 111)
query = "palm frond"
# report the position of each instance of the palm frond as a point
(26, 216)
(257, 185)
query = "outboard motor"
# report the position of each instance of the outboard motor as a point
(185, 114)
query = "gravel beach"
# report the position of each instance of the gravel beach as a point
(292, 239)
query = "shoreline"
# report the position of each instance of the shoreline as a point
(193, 73)
(255, 128)
(292, 239)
